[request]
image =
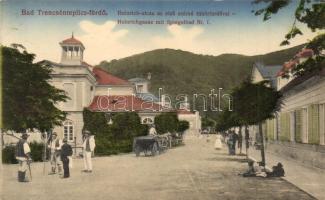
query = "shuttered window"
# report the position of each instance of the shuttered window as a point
(313, 124)
(285, 127)
(298, 125)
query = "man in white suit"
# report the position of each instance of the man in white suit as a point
(88, 148)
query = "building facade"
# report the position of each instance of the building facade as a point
(298, 132)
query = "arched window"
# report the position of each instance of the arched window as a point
(68, 130)
(147, 120)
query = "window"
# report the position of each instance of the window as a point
(313, 124)
(147, 120)
(298, 125)
(68, 130)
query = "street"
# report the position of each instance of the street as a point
(193, 171)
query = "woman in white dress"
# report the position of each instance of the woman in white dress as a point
(218, 143)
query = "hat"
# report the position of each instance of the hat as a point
(24, 136)
(65, 140)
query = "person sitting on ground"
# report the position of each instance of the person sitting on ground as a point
(277, 171)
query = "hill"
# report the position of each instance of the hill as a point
(182, 72)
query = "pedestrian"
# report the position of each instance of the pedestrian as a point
(235, 139)
(23, 155)
(240, 141)
(55, 150)
(66, 152)
(218, 143)
(152, 130)
(230, 142)
(88, 148)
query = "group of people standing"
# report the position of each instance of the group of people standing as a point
(60, 155)
(233, 140)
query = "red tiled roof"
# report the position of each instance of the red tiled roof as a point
(304, 53)
(71, 40)
(105, 78)
(184, 112)
(120, 103)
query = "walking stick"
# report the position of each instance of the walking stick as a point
(29, 169)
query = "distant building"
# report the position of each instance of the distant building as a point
(261, 72)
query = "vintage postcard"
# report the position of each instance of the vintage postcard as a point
(162, 99)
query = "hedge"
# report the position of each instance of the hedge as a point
(166, 122)
(9, 153)
(117, 137)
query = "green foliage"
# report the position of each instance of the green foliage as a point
(272, 8)
(96, 123)
(183, 125)
(208, 122)
(311, 13)
(9, 155)
(255, 102)
(192, 73)
(226, 120)
(166, 122)
(127, 125)
(117, 137)
(37, 151)
(28, 99)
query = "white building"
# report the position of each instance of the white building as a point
(298, 130)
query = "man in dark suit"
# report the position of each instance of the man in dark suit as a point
(66, 151)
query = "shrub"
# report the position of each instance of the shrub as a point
(117, 137)
(37, 150)
(166, 122)
(9, 155)
(183, 125)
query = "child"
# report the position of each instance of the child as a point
(66, 151)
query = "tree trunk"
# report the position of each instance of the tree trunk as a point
(262, 143)
(246, 140)
(240, 142)
(44, 152)
(2, 142)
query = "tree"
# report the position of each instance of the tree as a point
(166, 122)
(28, 99)
(208, 122)
(309, 12)
(254, 103)
(183, 125)
(127, 125)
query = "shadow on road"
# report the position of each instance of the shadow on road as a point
(228, 159)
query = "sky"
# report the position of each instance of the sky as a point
(241, 32)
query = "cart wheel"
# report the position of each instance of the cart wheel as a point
(154, 150)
